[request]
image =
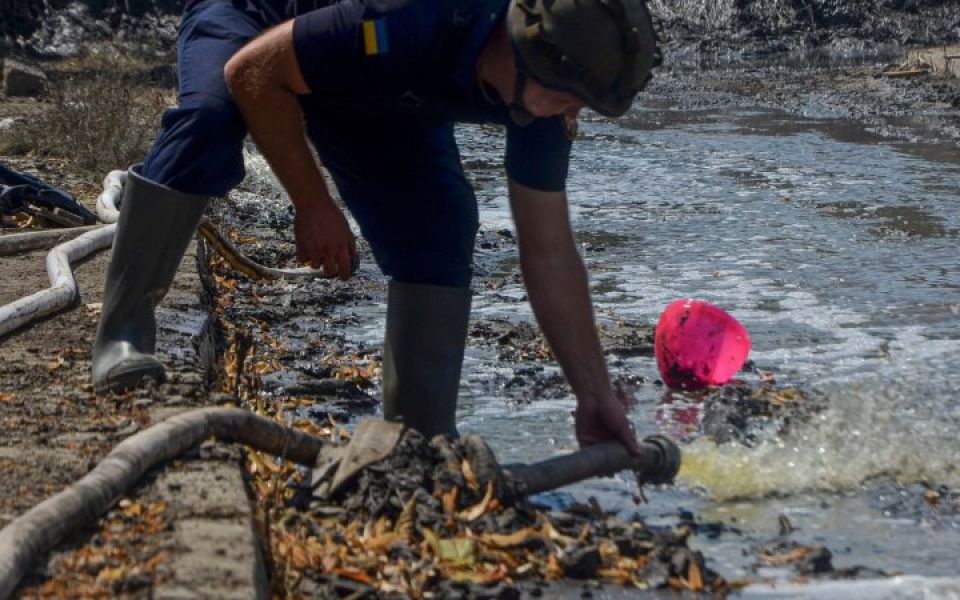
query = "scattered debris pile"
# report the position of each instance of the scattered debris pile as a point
(747, 413)
(433, 519)
(807, 561)
(25, 201)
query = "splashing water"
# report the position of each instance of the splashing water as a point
(867, 432)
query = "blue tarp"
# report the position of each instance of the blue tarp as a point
(19, 189)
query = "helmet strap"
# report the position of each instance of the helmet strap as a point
(518, 112)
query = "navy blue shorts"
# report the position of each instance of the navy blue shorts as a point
(403, 182)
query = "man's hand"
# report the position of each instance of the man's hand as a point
(324, 239)
(604, 420)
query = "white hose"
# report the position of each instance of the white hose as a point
(108, 200)
(33, 240)
(63, 287)
(45, 525)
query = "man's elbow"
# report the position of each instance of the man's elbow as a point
(237, 74)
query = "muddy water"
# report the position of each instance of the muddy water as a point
(838, 252)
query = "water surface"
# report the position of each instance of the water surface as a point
(837, 249)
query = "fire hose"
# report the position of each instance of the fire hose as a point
(63, 292)
(45, 525)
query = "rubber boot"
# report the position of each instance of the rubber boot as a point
(155, 227)
(422, 356)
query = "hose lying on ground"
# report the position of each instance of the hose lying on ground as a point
(244, 264)
(44, 526)
(107, 205)
(32, 240)
(63, 287)
(63, 290)
(41, 528)
(108, 212)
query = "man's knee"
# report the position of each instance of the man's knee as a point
(441, 258)
(200, 148)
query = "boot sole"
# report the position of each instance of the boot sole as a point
(129, 378)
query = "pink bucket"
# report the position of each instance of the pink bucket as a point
(698, 344)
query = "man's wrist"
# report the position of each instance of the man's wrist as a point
(318, 201)
(586, 400)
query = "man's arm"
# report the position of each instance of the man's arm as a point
(556, 282)
(264, 78)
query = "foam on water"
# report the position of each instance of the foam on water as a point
(873, 427)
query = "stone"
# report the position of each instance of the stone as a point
(23, 80)
(582, 563)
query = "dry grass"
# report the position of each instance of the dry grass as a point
(101, 117)
(98, 124)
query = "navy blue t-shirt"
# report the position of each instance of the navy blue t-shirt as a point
(410, 59)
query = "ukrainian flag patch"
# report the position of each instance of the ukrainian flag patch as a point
(375, 37)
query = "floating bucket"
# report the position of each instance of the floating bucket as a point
(698, 344)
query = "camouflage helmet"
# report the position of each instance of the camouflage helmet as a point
(601, 51)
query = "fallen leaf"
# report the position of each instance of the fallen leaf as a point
(509, 540)
(404, 526)
(449, 500)
(694, 577)
(484, 577)
(298, 557)
(431, 539)
(354, 574)
(108, 574)
(479, 509)
(553, 570)
(469, 475)
(382, 541)
(457, 551)
(551, 532)
(782, 559)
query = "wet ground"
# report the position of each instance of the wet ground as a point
(835, 245)
(165, 535)
(807, 194)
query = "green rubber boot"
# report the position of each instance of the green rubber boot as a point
(422, 355)
(156, 226)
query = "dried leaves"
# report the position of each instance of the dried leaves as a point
(122, 559)
(423, 519)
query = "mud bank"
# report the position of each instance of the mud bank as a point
(925, 107)
(62, 28)
(736, 31)
(826, 59)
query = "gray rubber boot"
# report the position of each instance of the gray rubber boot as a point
(156, 226)
(422, 355)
